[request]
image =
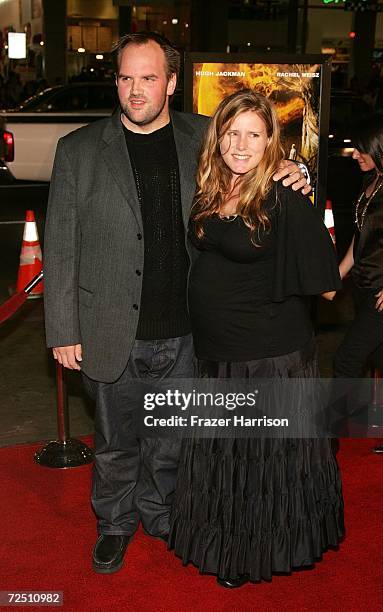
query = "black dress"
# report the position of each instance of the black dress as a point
(258, 506)
(363, 342)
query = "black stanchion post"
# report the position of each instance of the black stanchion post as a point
(62, 404)
(66, 451)
(377, 403)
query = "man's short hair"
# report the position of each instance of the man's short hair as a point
(172, 56)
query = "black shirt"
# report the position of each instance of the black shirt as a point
(367, 272)
(163, 310)
(246, 302)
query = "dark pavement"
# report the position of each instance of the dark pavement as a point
(27, 372)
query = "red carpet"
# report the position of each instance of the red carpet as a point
(48, 531)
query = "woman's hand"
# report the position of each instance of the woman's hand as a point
(292, 175)
(379, 301)
(329, 295)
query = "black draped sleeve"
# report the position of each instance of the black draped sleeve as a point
(305, 262)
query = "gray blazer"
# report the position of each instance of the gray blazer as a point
(94, 242)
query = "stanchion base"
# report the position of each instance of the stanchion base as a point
(34, 296)
(370, 415)
(378, 449)
(71, 453)
(375, 416)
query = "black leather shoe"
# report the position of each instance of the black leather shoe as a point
(108, 553)
(233, 583)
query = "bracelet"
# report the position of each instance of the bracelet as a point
(303, 168)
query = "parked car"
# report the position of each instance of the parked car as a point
(38, 123)
(6, 155)
(6, 178)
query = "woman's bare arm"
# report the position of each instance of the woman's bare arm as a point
(347, 262)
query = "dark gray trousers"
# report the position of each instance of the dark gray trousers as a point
(364, 340)
(134, 479)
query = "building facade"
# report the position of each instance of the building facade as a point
(66, 37)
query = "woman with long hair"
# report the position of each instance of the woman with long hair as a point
(246, 508)
(364, 258)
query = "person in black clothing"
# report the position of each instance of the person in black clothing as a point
(246, 508)
(364, 258)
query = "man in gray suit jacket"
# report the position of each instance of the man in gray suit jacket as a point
(116, 266)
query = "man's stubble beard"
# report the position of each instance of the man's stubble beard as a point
(150, 118)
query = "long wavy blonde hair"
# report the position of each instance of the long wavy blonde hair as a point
(214, 178)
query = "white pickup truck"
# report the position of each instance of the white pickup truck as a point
(37, 124)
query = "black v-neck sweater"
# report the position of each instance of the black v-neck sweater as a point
(163, 308)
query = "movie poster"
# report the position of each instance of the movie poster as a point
(298, 91)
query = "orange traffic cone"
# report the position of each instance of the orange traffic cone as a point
(31, 260)
(329, 220)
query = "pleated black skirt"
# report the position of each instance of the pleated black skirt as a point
(257, 506)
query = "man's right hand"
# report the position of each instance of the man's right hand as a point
(68, 356)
